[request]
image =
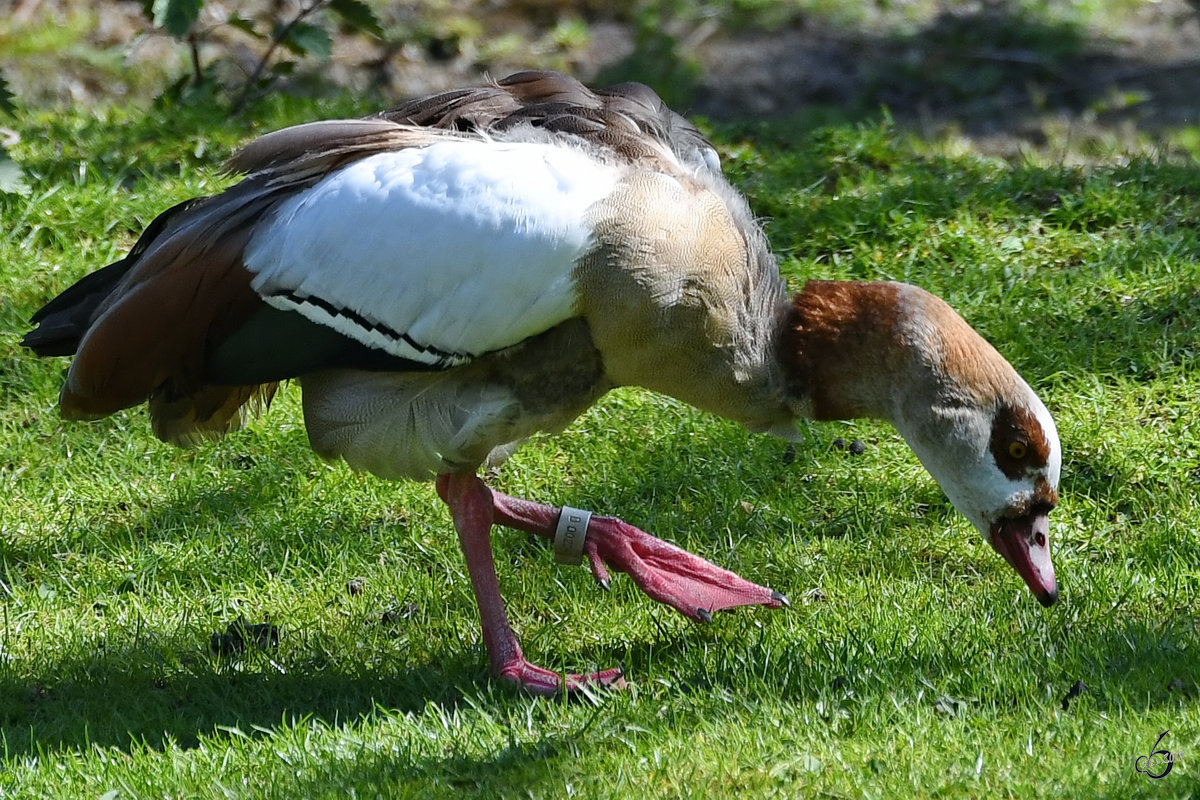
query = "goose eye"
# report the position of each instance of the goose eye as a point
(1017, 450)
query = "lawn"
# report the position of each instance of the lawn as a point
(913, 662)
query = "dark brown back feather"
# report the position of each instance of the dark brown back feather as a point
(629, 119)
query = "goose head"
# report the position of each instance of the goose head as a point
(997, 458)
(899, 353)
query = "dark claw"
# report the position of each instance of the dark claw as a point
(604, 584)
(704, 614)
(781, 598)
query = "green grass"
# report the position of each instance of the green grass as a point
(913, 663)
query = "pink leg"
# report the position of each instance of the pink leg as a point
(694, 587)
(471, 506)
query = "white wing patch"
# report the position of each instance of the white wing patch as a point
(435, 254)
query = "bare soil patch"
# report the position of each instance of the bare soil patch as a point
(985, 70)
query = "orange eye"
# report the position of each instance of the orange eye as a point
(1017, 450)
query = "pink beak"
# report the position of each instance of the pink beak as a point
(1024, 542)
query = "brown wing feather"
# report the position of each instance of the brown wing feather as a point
(186, 290)
(628, 119)
(462, 109)
(146, 333)
(321, 147)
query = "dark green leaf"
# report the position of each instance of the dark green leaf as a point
(309, 40)
(357, 15)
(176, 16)
(7, 106)
(244, 25)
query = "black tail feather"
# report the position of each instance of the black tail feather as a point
(63, 321)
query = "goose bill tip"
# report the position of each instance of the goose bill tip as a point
(1024, 543)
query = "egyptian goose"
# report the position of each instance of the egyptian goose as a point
(449, 277)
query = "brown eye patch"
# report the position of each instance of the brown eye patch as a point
(1018, 443)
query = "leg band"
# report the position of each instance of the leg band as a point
(569, 536)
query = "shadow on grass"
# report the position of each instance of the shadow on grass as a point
(176, 696)
(1131, 665)
(171, 689)
(100, 701)
(1146, 663)
(988, 69)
